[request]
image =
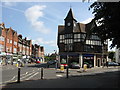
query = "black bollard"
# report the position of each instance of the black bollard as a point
(18, 75)
(42, 73)
(67, 72)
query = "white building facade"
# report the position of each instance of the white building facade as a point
(117, 55)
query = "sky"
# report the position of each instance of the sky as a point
(39, 20)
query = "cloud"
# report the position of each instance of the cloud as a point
(41, 41)
(9, 4)
(33, 15)
(87, 20)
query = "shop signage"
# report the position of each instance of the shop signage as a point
(88, 55)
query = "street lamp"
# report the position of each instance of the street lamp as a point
(67, 68)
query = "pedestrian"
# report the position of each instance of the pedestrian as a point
(107, 64)
(6, 61)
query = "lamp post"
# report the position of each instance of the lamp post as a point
(67, 68)
(103, 55)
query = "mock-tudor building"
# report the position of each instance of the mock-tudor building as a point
(78, 42)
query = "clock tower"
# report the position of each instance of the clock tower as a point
(70, 22)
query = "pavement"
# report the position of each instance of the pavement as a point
(97, 77)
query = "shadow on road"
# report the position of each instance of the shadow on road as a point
(42, 65)
(101, 80)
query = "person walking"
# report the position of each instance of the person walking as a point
(107, 64)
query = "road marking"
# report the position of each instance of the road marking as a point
(27, 75)
(12, 78)
(59, 75)
(32, 76)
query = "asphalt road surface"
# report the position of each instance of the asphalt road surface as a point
(100, 80)
(52, 75)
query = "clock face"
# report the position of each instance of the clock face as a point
(68, 24)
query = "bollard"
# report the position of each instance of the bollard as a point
(62, 68)
(42, 73)
(18, 75)
(67, 72)
(85, 67)
(16, 64)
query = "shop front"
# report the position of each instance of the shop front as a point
(71, 57)
(88, 59)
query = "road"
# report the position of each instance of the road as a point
(33, 72)
(99, 80)
(9, 73)
(28, 72)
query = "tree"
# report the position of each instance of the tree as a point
(111, 55)
(107, 19)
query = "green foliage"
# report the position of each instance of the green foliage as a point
(111, 55)
(107, 17)
(51, 57)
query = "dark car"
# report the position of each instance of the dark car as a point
(74, 65)
(113, 64)
(51, 62)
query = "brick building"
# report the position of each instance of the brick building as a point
(8, 41)
(13, 45)
(77, 42)
(25, 47)
(38, 52)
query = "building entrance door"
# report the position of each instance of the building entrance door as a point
(98, 62)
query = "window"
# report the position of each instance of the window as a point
(15, 43)
(68, 35)
(1, 47)
(11, 41)
(69, 47)
(83, 35)
(2, 38)
(68, 41)
(76, 35)
(61, 36)
(15, 50)
(7, 40)
(94, 37)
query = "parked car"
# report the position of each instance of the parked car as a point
(37, 61)
(64, 64)
(51, 62)
(74, 65)
(9, 62)
(113, 64)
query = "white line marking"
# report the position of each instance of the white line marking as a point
(12, 78)
(59, 75)
(32, 76)
(27, 75)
